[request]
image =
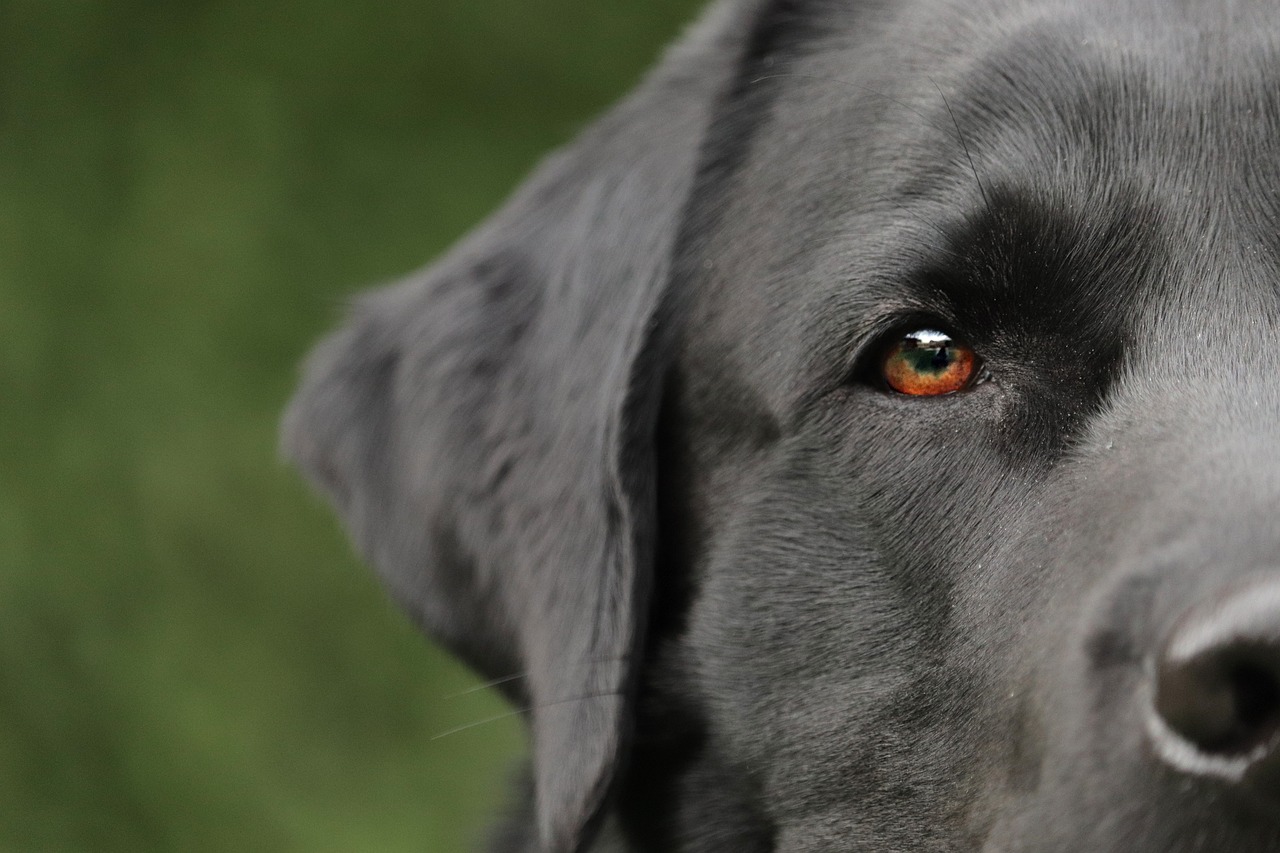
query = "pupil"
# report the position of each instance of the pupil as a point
(931, 359)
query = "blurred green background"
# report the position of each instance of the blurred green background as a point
(190, 657)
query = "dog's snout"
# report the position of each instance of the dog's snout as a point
(1217, 690)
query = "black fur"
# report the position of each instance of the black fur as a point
(629, 439)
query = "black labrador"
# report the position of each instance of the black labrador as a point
(862, 438)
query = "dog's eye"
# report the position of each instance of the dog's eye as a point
(929, 363)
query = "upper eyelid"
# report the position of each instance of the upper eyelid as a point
(851, 327)
(887, 330)
(876, 334)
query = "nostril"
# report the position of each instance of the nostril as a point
(1221, 701)
(1256, 691)
(1217, 690)
(1224, 701)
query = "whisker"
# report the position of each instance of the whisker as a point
(517, 676)
(965, 145)
(519, 711)
(473, 725)
(497, 682)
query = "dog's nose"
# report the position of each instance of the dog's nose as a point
(1217, 691)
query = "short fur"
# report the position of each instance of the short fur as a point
(628, 441)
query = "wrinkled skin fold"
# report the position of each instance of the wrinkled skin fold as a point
(628, 440)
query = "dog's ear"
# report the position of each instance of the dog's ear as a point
(485, 427)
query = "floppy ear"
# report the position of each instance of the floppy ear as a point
(485, 427)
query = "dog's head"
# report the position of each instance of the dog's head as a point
(863, 437)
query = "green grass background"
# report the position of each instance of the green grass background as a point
(190, 657)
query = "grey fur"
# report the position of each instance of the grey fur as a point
(628, 439)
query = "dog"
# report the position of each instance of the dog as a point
(862, 438)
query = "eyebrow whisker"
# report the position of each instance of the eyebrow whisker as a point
(965, 145)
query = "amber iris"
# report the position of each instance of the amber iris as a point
(928, 363)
